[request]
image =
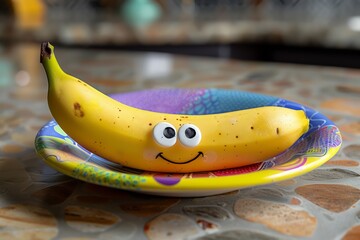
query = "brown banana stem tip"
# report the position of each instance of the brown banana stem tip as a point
(45, 51)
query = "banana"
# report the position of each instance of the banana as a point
(164, 142)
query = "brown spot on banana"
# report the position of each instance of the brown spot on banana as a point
(78, 111)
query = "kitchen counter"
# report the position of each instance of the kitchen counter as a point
(37, 202)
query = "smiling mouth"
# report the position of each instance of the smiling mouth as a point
(160, 154)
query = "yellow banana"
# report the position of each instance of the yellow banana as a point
(164, 142)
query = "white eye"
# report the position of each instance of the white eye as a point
(164, 134)
(189, 135)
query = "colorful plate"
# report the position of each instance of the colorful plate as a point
(317, 146)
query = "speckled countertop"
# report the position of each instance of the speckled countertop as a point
(36, 202)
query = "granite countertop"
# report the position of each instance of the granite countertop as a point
(37, 202)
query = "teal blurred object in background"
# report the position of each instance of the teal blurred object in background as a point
(140, 13)
(6, 72)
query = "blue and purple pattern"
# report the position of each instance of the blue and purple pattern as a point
(194, 101)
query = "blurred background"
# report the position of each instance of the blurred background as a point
(323, 32)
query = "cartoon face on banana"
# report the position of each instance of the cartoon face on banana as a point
(166, 136)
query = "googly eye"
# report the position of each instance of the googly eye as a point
(189, 135)
(165, 134)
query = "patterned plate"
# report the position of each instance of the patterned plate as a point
(317, 146)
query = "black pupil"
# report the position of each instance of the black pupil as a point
(169, 132)
(190, 133)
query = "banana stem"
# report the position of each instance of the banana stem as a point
(49, 62)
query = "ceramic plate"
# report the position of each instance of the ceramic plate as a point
(317, 146)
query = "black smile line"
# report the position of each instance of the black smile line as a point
(168, 160)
